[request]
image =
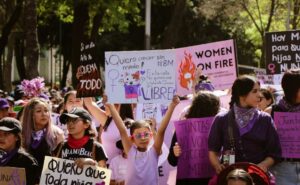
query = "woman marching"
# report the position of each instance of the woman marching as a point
(287, 172)
(244, 133)
(40, 136)
(12, 153)
(204, 104)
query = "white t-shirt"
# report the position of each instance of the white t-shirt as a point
(118, 166)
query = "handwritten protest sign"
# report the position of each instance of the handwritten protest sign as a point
(282, 51)
(288, 129)
(88, 75)
(12, 176)
(140, 76)
(192, 136)
(216, 60)
(65, 172)
(149, 111)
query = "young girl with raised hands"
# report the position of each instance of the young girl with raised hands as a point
(142, 156)
(80, 145)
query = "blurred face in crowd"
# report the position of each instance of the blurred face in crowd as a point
(298, 97)
(3, 113)
(236, 182)
(252, 99)
(72, 102)
(264, 103)
(8, 140)
(41, 116)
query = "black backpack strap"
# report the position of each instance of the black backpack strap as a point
(230, 129)
(94, 151)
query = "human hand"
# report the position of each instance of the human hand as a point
(219, 167)
(263, 166)
(177, 150)
(175, 100)
(85, 161)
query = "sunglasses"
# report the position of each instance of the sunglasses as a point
(144, 135)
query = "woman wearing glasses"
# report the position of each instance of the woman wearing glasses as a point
(80, 146)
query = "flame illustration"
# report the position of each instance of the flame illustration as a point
(187, 72)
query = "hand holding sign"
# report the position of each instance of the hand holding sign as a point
(177, 150)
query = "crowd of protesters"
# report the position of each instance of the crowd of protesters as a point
(35, 123)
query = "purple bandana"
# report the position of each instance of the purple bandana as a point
(37, 138)
(287, 106)
(245, 118)
(6, 156)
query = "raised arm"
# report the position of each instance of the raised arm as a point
(95, 111)
(159, 139)
(121, 127)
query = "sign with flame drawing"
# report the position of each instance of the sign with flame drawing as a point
(216, 60)
(140, 76)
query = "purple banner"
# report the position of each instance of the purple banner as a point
(288, 128)
(192, 136)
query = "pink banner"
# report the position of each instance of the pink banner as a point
(192, 137)
(288, 129)
(216, 60)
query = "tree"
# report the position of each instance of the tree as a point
(31, 39)
(101, 16)
(6, 31)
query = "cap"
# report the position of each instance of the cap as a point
(3, 103)
(76, 112)
(10, 125)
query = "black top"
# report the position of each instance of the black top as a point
(24, 160)
(84, 152)
(39, 154)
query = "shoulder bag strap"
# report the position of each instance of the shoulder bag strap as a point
(230, 129)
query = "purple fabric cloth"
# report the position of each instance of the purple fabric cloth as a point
(245, 118)
(286, 106)
(37, 138)
(142, 167)
(204, 86)
(6, 156)
(254, 146)
(3, 103)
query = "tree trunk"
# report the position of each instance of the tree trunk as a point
(9, 26)
(19, 54)
(296, 10)
(80, 25)
(171, 33)
(32, 47)
(7, 64)
(5, 32)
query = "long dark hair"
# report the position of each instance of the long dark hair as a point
(241, 87)
(204, 104)
(290, 84)
(125, 112)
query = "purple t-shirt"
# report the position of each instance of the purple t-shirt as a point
(142, 167)
(260, 142)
